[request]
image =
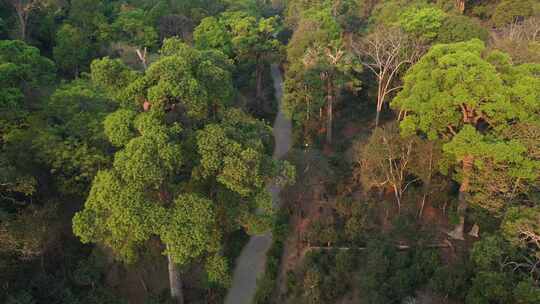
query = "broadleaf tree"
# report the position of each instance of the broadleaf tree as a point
(458, 95)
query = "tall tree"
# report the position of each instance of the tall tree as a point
(23, 9)
(244, 36)
(70, 139)
(386, 159)
(72, 51)
(163, 185)
(457, 95)
(386, 52)
(335, 67)
(315, 44)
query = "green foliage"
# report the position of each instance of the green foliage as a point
(71, 140)
(508, 11)
(133, 26)
(22, 69)
(456, 28)
(521, 226)
(236, 152)
(115, 215)
(212, 33)
(113, 76)
(496, 279)
(89, 16)
(31, 232)
(453, 280)
(390, 11)
(119, 127)
(391, 276)
(190, 232)
(71, 59)
(199, 80)
(453, 88)
(422, 22)
(526, 292)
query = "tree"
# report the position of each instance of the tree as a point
(70, 139)
(386, 159)
(198, 81)
(246, 37)
(131, 202)
(236, 153)
(386, 52)
(89, 16)
(212, 33)
(132, 26)
(423, 22)
(175, 25)
(255, 40)
(320, 68)
(114, 77)
(521, 226)
(23, 9)
(72, 49)
(186, 167)
(520, 40)
(30, 232)
(336, 67)
(503, 273)
(23, 71)
(509, 11)
(461, 28)
(460, 5)
(456, 95)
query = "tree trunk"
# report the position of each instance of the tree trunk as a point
(22, 22)
(23, 31)
(142, 57)
(329, 117)
(175, 282)
(259, 71)
(397, 194)
(379, 102)
(464, 189)
(377, 117)
(460, 5)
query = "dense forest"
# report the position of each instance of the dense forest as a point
(384, 151)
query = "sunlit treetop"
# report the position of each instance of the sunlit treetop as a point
(193, 79)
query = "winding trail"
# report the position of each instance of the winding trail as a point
(252, 260)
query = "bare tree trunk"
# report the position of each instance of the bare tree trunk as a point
(23, 30)
(460, 5)
(424, 197)
(175, 282)
(329, 114)
(464, 189)
(379, 101)
(142, 57)
(23, 18)
(397, 194)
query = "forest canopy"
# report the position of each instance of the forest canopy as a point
(380, 151)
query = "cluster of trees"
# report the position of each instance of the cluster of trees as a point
(123, 126)
(454, 87)
(136, 130)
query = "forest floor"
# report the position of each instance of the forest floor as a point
(315, 202)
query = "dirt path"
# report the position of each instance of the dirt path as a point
(252, 260)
